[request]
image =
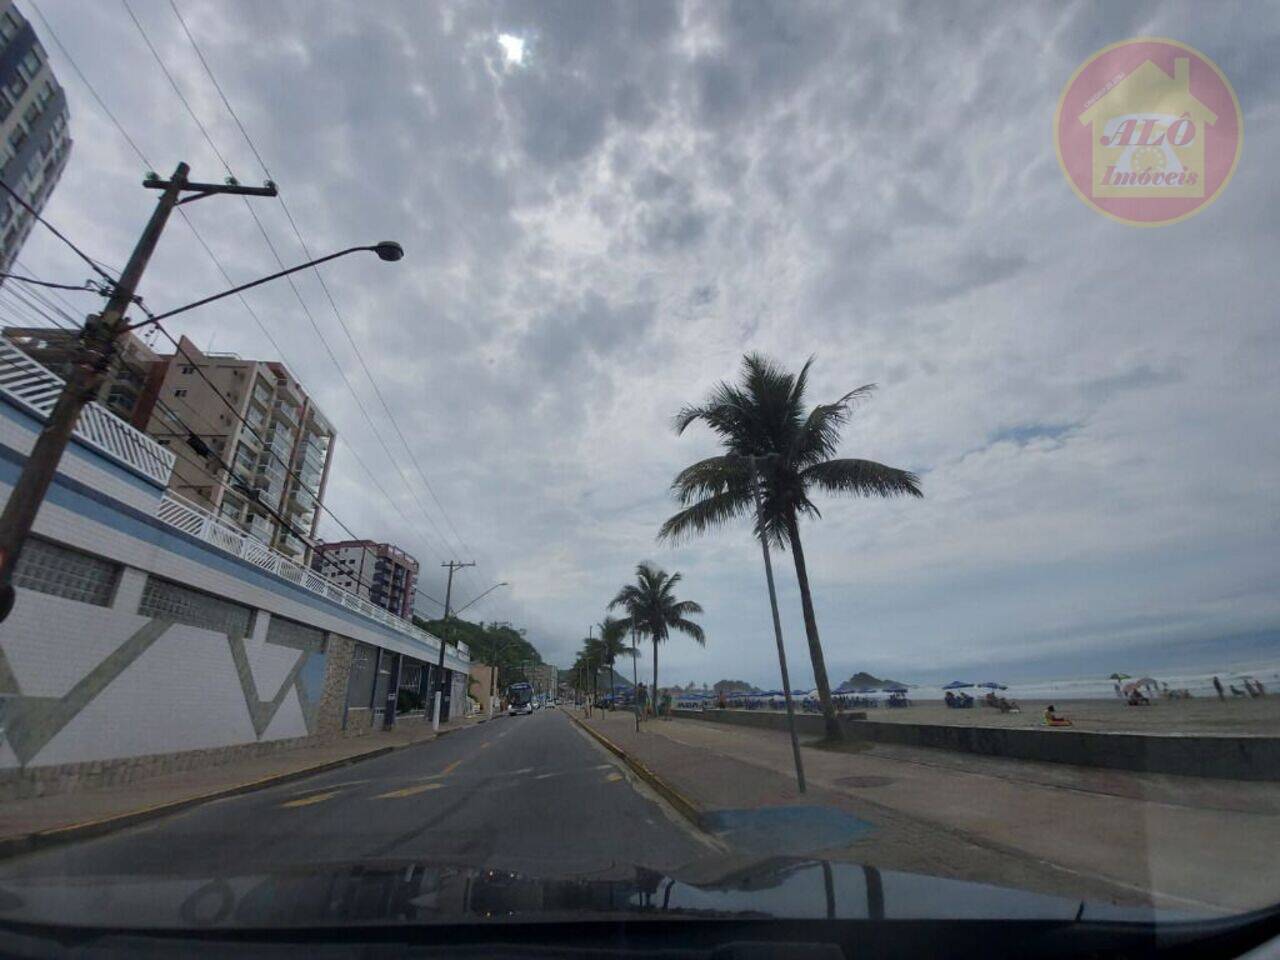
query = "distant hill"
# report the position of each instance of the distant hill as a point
(864, 679)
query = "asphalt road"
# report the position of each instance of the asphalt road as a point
(530, 794)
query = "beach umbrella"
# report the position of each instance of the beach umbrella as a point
(895, 689)
(957, 685)
(1118, 676)
(989, 685)
(865, 690)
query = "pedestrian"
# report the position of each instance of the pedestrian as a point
(1217, 685)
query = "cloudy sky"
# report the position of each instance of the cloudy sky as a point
(605, 204)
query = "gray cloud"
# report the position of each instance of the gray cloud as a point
(596, 234)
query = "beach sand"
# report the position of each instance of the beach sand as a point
(1198, 715)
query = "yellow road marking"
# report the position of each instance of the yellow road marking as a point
(614, 777)
(450, 768)
(408, 791)
(483, 745)
(307, 801)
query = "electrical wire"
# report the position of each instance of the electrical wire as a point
(233, 476)
(275, 253)
(83, 288)
(209, 252)
(56, 232)
(319, 276)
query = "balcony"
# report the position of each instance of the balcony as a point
(289, 414)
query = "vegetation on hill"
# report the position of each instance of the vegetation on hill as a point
(498, 643)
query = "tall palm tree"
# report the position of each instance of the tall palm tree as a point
(654, 611)
(764, 416)
(613, 644)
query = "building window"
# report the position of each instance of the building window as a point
(180, 392)
(18, 138)
(172, 601)
(17, 86)
(188, 369)
(8, 26)
(49, 568)
(5, 106)
(29, 64)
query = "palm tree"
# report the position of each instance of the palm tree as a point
(764, 417)
(593, 655)
(613, 644)
(654, 611)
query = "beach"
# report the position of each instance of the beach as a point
(1234, 716)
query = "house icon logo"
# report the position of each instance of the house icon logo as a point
(1148, 131)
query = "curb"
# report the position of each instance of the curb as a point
(678, 801)
(88, 829)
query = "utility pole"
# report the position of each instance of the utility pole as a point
(777, 623)
(453, 566)
(97, 345)
(635, 685)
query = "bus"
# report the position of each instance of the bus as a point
(519, 699)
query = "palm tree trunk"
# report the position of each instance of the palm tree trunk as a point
(653, 694)
(831, 720)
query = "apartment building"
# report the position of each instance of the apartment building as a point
(35, 139)
(381, 572)
(256, 418)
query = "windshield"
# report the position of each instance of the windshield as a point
(686, 446)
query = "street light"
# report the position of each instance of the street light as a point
(389, 251)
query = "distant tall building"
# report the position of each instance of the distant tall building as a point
(382, 573)
(34, 137)
(255, 417)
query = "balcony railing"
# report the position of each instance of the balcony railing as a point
(33, 387)
(205, 526)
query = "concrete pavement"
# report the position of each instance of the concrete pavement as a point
(529, 794)
(1179, 842)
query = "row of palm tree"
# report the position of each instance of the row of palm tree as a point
(769, 437)
(651, 610)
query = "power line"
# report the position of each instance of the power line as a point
(209, 251)
(56, 232)
(83, 288)
(275, 253)
(319, 276)
(231, 472)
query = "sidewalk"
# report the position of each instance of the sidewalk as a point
(1115, 836)
(39, 821)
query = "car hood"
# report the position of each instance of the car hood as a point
(415, 892)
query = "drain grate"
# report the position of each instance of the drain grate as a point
(865, 781)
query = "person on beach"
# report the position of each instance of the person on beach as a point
(1052, 719)
(1217, 685)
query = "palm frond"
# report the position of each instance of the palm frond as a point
(819, 437)
(689, 629)
(862, 478)
(704, 515)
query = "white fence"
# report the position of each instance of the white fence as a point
(202, 524)
(36, 389)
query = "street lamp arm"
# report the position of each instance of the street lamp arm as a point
(481, 596)
(387, 250)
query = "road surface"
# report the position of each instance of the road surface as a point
(531, 794)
